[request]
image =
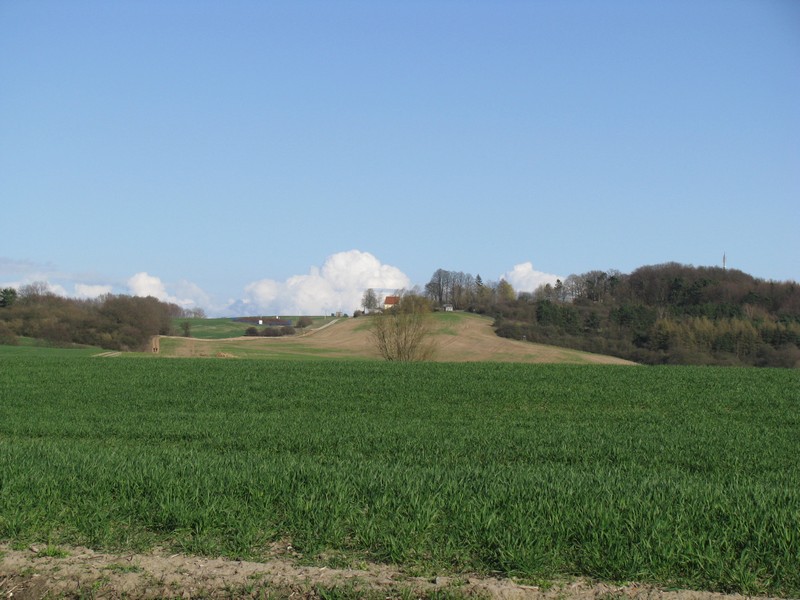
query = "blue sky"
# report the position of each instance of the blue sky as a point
(249, 156)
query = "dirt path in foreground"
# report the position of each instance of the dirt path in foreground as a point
(80, 572)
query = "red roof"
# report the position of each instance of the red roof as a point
(391, 300)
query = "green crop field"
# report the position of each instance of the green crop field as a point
(32, 347)
(685, 477)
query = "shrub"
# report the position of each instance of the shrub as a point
(7, 336)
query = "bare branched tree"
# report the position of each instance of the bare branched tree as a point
(403, 333)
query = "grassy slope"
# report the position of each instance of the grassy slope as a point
(460, 337)
(214, 329)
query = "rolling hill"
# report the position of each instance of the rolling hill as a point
(459, 337)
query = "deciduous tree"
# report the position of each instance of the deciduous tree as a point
(403, 334)
(505, 292)
(370, 300)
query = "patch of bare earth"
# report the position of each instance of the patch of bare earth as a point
(81, 572)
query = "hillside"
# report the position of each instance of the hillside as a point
(663, 314)
(459, 337)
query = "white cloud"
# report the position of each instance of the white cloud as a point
(40, 283)
(83, 290)
(17, 273)
(193, 295)
(57, 281)
(189, 294)
(7, 283)
(57, 289)
(524, 278)
(337, 286)
(143, 284)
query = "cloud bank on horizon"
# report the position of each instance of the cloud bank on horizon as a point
(337, 285)
(184, 293)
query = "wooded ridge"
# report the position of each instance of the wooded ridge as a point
(663, 314)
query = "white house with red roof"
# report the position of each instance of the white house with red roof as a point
(390, 302)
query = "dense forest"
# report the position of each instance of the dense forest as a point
(115, 322)
(661, 314)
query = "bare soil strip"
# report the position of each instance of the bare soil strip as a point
(42, 572)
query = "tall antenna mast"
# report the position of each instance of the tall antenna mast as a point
(724, 260)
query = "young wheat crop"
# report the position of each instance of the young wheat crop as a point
(676, 476)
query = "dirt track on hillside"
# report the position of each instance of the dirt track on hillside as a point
(82, 573)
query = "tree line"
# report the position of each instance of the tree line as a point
(660, 314)
(462, 291)
(114, 322)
